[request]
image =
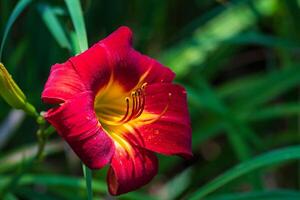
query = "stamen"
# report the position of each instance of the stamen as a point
(133, 109)
(127, 109)
(142, 103)
(134, 105)
(143, 86)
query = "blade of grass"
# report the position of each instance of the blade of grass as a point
(12, 159)
(21, 5)
(263, 40)
(88, 177)
(260, 195)
(52, 180)
(291, 10)
(207, 98)
(75, 45)
(238, 132)
(17, 55)
(267, 159)
(55, 180)
(207, 38)
(10, 196)
(251, 92)
(75, 11)
(206, 132)
(50, 19)
(269, 88)
(136, 196)
(270, 112)
(37, 195)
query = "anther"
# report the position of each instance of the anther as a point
(141, 103)
(134, 107)
(143, 86)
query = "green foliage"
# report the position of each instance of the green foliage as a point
(50, 18)
(15, 13)
(264, 195)
(78, 22)
(239, 61)
(274, 157)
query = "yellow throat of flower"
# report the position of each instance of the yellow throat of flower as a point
(120, 112)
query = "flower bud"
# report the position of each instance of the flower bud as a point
(12, 94)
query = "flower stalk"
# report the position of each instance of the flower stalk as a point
(15, 97)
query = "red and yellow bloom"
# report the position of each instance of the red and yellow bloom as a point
(118, 106)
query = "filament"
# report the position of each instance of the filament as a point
(135, 105)
(134, 108)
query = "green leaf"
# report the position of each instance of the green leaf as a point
(206, 97)
(10, 196)
(74, 42)
(259, 195)
(21, 5)
(270, 112)
(207, 38)
(75, 10)
(88, 178)
(35, 195)
(237, 132)
(251, 92)
(55, 180)
(262, 39)
(52, 180)
(267, 159)
(50, 19)
(12, 159)
(207, 131)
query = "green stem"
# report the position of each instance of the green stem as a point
(42, 135)
(266, 159)
(88, 180)
(14, 180)
(75, 11)
(30, 110)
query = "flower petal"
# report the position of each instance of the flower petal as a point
(62, 84)
(76, 122)
(114, 58)
(152, 70)
(169, 131)
(131, 170)
(129, 66)
(95, 65)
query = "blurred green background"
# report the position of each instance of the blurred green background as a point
(239, 61)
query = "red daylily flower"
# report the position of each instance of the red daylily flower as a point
(117, 106)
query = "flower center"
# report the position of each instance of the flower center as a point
(121, 112)
(134, 106)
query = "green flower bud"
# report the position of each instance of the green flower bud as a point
(12, 94)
